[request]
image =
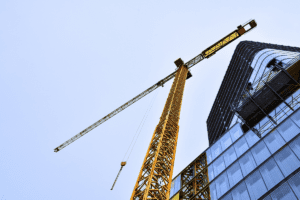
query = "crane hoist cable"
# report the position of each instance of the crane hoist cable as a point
(135, 137)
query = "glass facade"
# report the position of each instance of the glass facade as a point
(240, 163)
(243, 166)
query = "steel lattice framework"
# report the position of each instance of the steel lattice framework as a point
(210, 51)
(155, 177)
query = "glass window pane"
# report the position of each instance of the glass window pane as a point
(236, 132)
(240, 192)
(208, 156)
(260, 152)
(271, 173)
(219, 165)
(226, 141)
(268, 198)
(229, 156)
(211, 175)
(295, 184)
(234, 174)
(251, 138)
(287, 161)
(296, 117)
(288, 130)
(283, 192)
(227, 197)
(256, 185)
(222, 185)
(213, 191)
(247, 163)
(274, 141)
(241, 146)
(295, 146)
(216, 150)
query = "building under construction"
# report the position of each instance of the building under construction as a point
(253, 130)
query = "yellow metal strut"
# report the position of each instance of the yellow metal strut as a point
(155, 177)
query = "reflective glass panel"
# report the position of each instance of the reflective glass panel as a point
(271, 173)
(219, 165)
(287, 161)
(240, 192)
(216, 150)
(175, 186)
(236, 132)
(251, 138)
(222, 184)
(296, 117)
(260, 152)
(295, 184)
(268, 198)
(234, 174)
(213, 191)
(247, 163)
(288, 130)
(256, 185)
(227, 197)
(241, 146)
(226, 141)
(283, 192)
(295, 146)
(274, 141)
(229, 156)
(211, 175)
(208, 156)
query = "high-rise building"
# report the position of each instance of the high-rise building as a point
(253, 130)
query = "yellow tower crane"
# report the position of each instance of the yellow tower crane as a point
(154, 180)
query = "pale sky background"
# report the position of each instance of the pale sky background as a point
(65, 64)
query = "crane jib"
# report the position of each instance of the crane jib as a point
(205, 54)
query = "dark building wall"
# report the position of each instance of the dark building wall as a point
(234, 82)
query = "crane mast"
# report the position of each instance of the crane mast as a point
(155, 177)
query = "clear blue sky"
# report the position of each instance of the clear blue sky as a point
(65, 64)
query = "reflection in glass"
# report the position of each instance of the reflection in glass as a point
(241, 146)
(226, 141)
(287, 161)
(211, 175)
(256, 185)
(219, 165)
(247, 163)
(240, 192)
(295, 184)
(213, 191)
(208, 156)
(295, 146)
(216, 150)
(251, 138)
(222, 185)
(274, 141)
(271, 173)
(227, 197)
(234, 174)
(288, 130)
(229, 156)
(236, 132)
(283, 192)
(296, 116)
(260, 152)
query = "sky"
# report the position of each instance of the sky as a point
(66, 64)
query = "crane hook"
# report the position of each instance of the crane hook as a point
(122, 165)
